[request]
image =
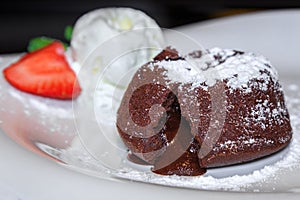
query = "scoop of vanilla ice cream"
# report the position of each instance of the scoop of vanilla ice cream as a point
(98, 26)
(107, 45)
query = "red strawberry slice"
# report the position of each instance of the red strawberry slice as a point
(44, 72)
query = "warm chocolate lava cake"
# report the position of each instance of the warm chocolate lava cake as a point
(186, 114)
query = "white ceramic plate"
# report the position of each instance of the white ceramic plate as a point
(262, 32)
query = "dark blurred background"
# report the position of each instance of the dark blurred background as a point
(22, 20)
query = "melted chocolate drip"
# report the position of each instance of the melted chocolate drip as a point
(181, 156)
(133, 158)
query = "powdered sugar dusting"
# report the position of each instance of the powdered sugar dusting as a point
(179, 71)
(235, 67)
(263, 116)
(242, 68)
(242, 141)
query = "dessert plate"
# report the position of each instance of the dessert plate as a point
(48, 128)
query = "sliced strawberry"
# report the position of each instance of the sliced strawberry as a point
(44, 72)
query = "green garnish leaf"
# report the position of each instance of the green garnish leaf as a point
(40, 42)
(68, 32)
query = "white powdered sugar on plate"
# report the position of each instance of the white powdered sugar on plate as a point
(8, 193)
(254, 180)
(264, 175)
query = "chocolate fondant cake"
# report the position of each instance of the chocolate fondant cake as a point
(208, 109)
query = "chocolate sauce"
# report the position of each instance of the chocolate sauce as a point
(133, 158)
(181, 156)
